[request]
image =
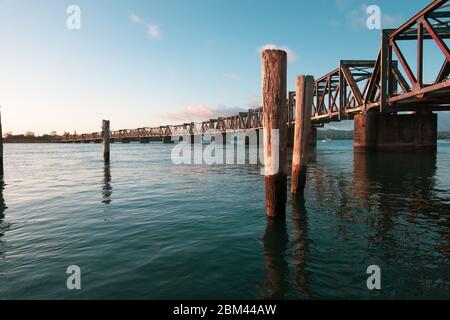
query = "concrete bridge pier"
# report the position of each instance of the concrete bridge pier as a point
(144, 140)
(395, 132)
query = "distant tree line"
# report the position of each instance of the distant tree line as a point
(30, 137)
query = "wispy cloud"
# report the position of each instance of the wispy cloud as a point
(136, 19)
(200, 112)
(231, 76)
(291, 56)
(153, 30)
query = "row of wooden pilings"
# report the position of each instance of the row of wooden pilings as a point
(274, 77)
(274, 85)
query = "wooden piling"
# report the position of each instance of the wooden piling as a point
(305, 92)
(1, 147)
(105, 131)
(274, 74)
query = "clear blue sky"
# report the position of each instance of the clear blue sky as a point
(144, 63)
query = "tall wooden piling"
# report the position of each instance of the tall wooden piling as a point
(1, 146)
(303, 106)
(105, 142)
(274, 73)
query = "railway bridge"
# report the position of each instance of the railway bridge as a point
(391, 104)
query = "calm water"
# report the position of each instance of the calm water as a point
(145, 228)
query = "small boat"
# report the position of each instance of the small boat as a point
(326, 139)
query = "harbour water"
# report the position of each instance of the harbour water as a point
(145, 228)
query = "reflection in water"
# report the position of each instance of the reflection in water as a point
(276, 243)
(397, 187)
(276, 247)
(299, 223)
(401, 189)
(107, 188)
(3, 207)
(393, 211)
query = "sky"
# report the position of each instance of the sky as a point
(150, 63)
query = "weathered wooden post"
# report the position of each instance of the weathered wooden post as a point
(274, 74)
(305, 92)
(1, 146)
(105, 142)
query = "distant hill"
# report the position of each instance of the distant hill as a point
(334, 134)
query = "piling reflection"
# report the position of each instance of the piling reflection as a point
(3, 207)
(276, 243)
(300, 250)
(106, 187)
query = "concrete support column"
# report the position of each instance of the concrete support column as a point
(365, 131)
(396, 132)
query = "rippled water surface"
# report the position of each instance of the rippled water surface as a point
(146, 228)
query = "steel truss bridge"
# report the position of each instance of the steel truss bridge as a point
(388, 84)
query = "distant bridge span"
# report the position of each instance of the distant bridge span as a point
(386, 85)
